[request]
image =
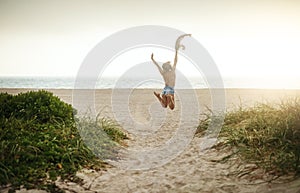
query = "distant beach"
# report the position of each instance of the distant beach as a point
(234, 96)
(148, 82)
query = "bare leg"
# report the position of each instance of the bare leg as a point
(162, 100)
(157, 95)
(170, 101)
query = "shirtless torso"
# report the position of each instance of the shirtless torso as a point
(169, 78)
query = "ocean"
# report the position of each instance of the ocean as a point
(140, 82)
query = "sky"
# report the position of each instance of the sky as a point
(251, 39)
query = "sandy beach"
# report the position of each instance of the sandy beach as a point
(186, 168)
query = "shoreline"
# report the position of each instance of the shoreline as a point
(104, 100)
(234, 95)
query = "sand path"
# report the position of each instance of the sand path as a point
(192, 170)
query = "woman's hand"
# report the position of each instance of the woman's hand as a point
(177, 44)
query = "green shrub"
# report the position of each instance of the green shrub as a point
(40, 107)
(268, 135)
(39, 141)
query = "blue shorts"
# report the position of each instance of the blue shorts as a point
(168, 90)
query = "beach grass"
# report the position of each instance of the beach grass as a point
(267, 135)
(103, 136)
(40, 141)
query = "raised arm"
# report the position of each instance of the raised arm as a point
(175, 59)
(159, 68)
(178, 46)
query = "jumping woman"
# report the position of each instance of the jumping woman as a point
(168, 73)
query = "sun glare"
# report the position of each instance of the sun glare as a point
(136, 56)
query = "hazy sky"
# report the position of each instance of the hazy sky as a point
(245, 38)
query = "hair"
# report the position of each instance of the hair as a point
(167, 66)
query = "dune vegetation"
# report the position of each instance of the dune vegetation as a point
(40, 141)
(267, 135)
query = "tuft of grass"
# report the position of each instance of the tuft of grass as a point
(40, 141)
(266, 134)
(102, 135)
(112, 129)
